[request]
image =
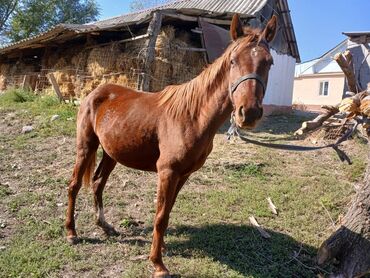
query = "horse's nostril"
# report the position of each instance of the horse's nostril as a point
(241, 113)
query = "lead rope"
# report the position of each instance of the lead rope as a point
(234, 131)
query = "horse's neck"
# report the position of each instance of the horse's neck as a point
(217, 107)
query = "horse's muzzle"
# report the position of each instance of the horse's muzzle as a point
(248, 118)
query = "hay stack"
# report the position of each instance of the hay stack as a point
(102, 60)
(66, 82)
(174, 64)
(4, 71)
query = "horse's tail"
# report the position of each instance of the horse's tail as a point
(89, 172)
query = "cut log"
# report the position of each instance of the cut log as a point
(318, 121)
(350, 244)
(347, 70)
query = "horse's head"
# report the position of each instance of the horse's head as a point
(250, 61)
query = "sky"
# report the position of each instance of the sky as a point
(318, 24)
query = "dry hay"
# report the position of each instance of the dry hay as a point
(61, 63)
(87, 86)
(174, 64)
(4, 71)
(66, 81)
(161, 68)
(102, 60)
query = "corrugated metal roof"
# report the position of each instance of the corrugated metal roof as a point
(247, 7)
(208, 8)
(357, 34)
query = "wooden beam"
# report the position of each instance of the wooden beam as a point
(193, 49)
(195, 19)
(120, 41)
(26, 82)
(55, 85)
(149, 54)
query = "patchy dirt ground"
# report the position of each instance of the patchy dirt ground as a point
(209, 233)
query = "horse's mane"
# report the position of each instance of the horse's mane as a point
(188, 98)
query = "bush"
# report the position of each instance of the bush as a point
(17, 96)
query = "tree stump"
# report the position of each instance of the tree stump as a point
(350, 244)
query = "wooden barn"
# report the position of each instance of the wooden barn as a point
(322, 82)
(147, 50)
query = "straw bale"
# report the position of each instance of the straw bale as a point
(164, 41)
(123, 80)
(61, 63)
(174, 64)
(102, 60)
(162, 73)
(79, 60)
(4, 71)
(87, 86)
(2, 82)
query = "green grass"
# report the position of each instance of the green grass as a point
(209, 233)
(37, 111)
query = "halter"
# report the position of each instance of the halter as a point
(251, 76)
(235, 85)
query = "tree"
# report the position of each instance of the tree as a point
(32, 17)
(137, 5)
(7, 8)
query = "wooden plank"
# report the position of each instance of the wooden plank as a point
(26, 82)
(120, 41)
(149, 54)
(54, 83)
(194, 49)
(195, 19)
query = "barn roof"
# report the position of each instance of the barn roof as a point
(218, 9)
(358, 37)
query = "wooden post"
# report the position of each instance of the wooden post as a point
(26, 82)
(54, 83)
(149, 53)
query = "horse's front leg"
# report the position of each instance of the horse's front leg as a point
(166, 192)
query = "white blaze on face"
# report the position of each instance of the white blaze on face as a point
(112, 96)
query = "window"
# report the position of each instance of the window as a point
(324, 88)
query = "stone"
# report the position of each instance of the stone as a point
(54, 117)
(27, 129)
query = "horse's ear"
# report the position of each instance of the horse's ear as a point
(236, 28)
(270, 29)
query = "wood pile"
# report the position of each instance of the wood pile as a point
(354, 105)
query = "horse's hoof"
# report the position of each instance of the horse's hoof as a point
(161, 274)
(73, 240)
(111, 232)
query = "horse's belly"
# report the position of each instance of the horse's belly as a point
(140, 157)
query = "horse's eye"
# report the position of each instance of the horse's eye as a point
(232, 62)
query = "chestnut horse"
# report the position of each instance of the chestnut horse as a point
(169, 132)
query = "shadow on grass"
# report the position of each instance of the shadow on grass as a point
(242, 249)
(278, 124)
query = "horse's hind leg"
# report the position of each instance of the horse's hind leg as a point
(86, 150)
(102, 173)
